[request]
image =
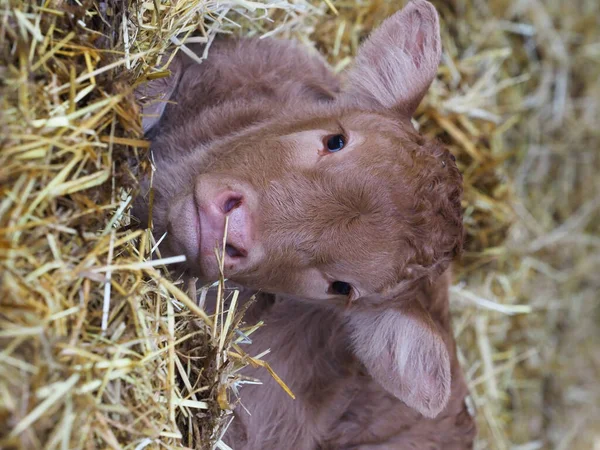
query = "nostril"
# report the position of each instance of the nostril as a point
(234, 252)
(232, 203)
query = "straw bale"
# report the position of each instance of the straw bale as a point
(100, 346)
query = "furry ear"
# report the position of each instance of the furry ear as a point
(154, 94)
(404, 351)
(398, 62)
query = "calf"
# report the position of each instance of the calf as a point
(341, 213)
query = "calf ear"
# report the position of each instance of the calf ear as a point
(153, 95)
(404, 351)
(398, 62)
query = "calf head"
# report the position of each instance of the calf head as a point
(340, 203)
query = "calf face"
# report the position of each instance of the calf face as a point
(338, 202)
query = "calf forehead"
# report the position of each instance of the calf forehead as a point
(344, 224)
(362, 246)
(324, 199)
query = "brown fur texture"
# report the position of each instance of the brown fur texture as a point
(374, 369)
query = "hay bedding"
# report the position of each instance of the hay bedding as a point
(100, 348)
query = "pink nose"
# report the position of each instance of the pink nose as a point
(239, 240)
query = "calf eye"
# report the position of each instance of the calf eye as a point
(340, 288)
(335, 143)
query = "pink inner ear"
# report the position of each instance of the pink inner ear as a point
(398, 62)
(406, 353)
(418, 46)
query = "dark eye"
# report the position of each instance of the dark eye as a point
(335, 143)
(340, 288)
